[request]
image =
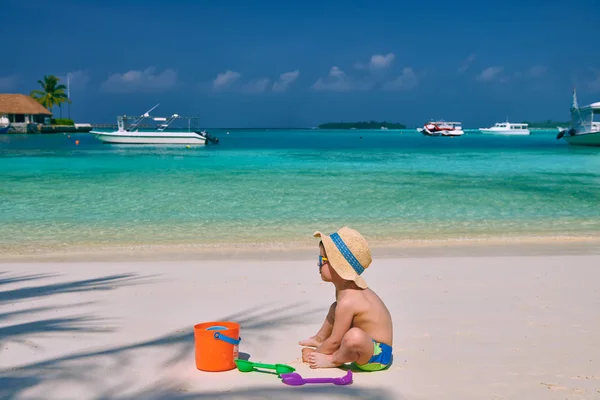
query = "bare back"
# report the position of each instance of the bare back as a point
(370, 314)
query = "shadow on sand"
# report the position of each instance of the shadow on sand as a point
(110, 282)
(89, 369)
(282, 392)
(24, 331)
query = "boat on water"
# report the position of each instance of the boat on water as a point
(507, 128)
(132, 133)
(4, 124)
(585, 125)
(442, 128)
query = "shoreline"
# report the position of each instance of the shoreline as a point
(466, 247)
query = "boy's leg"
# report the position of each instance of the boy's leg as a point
(356, 346)
(325, 330)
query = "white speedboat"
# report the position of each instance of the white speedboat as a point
(151, 137)
(442, 128)
(161, 134)
(584, 130)
(507, 128)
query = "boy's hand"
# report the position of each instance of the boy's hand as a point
(311, 342)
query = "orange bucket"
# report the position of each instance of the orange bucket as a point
(216, 345)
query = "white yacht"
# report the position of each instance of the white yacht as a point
(507, 128)
(442, 128)
(585, 128)
(133, 134)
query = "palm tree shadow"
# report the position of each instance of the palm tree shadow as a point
(89, 366)
(106, 283)
(52, 326)
(21, 332)
(5, 280)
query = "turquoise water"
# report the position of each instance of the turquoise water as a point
(277, 187)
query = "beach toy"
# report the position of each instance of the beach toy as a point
(249, 366)
(216, 345)
(295, 379)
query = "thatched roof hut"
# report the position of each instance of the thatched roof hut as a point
(21, 104)
(23, 111)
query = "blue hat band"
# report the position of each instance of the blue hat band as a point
(341, 246)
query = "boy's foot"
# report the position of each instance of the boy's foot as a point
(305, 352)
(319, 360)
(310, 342)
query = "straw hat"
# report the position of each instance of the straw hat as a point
(348, 253)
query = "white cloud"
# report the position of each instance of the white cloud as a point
(225, 80)
(378, 62)
(338, 81)
(465, 65)
(285, 80)
(8, 82)
(336, 72)
(377, 69)
(490, 74)
(147, 80)
(374, 72)
(408, 80)
(230, 81)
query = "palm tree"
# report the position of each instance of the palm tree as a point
(52, 94)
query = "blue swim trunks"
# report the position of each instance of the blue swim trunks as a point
(381, 359)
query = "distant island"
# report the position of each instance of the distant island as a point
(361, 125)
(547, 124)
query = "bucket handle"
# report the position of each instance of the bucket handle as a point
(227, 339)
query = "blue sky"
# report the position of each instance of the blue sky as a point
(278, 63)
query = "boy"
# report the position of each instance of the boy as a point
(358, 327)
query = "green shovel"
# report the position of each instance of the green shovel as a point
(249, 366)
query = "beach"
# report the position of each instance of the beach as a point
(485, 251)
(490, 324)
(214, 175)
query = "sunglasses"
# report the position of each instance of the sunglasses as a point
(322, 260)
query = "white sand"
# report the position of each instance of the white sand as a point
(522, 327)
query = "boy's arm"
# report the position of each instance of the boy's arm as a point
(327, 326)
(325, 330)
(344, 315)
